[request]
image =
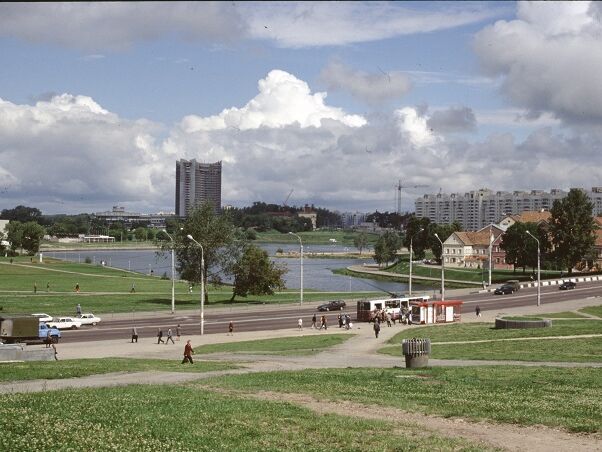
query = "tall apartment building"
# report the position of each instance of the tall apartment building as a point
(478, 208)
(197, 183)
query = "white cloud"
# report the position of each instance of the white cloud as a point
(118, 25)
(371, 88)
(414, 126)
(310, 24)
(550, 59)
(283, 100)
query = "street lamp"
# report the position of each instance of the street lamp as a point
(202, 284)
(442, 270)
(301, 244)
(173, 273)
(538, 270)
(411, 258)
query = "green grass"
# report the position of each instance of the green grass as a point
(557, 315)
(176, 418)
(593, 310)
(553, 350)
(107, 290)
(484, 331)
(303, 345)
(556, 397)
(51, 370)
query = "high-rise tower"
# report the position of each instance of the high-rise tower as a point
(197, 183)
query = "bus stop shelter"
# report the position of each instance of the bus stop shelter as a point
(447, 311)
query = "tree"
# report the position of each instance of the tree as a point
(420, 239)
(386, 247)
(443, 231)
(361, 241)
(31, 236)
(255, 274)
(22, 214)
(520, 248)
(222, 243)
(14, 235)
(572, 228)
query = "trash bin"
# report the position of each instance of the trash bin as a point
(416, 352)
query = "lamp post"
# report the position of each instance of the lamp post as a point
(411, 258)
(538, 270)
(173, 273)
(490, 253)
(202, 284)
(442, 270)
(300, 244)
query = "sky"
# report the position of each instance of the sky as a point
(338, 102)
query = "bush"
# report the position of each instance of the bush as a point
(88, 260)
(164, 276)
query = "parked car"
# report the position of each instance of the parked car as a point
(65, 323)
(43, 317)
(504, 289)
(567, 285)
(332, 306)
(88, 319)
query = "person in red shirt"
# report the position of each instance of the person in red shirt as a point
(188, 352)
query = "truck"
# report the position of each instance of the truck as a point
(26, 329)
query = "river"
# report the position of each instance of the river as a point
(317, 272)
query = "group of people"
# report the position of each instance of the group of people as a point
(344, 321)
(160, 335)
(314, 322)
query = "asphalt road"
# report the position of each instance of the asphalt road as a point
(268, 317)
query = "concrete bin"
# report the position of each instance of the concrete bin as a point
(416, 352)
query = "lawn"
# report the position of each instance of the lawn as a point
(51, 370)
(303, 345)
(593, 310)
(556, 397)
(177, 418)
(107, 290)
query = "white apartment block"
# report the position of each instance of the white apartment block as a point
(352, 219)
(476, 209)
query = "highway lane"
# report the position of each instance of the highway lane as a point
(268, 317)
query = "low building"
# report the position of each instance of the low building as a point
(471, 249)
(308, 212)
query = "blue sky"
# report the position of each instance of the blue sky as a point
(337, 101)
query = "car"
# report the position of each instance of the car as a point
(88, 319)
(332, 306)
(43, 317)
(504, 289)
(65, 323)
(567, 285)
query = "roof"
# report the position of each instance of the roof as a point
(532, 217)
(474, 238)
(598, 238)
(598, 221)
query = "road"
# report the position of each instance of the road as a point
(269, 317)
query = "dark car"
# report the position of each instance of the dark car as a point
(504, 290)
(332, 306)
(567, 285)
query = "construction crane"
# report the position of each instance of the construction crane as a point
(289, 195)
(398, 187)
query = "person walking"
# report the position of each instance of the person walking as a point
(323, 322)
(178, 332)
(231, 328)
(78, 310)
(300, 324)
(188, 352)
(388, 317)
(376, 328)
(133, 289)
(313, 322)
(160, 336)
(340, 319)
(134, 335)
(35, 287)
(48, 286)
(169, 337)
(77, 288)
(477, 311)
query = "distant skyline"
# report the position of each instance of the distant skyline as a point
(336, 101)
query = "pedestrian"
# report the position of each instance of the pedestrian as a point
(300, 324)
(78, 310)
(169, 337)
(190, 289)
(48, 286)
(188, 352)
(340, 319)
(134, 335)
(133, 289)
(178, 332)
(160, 336)
(323, 322)
(313, 322)
(477, 311)
(77, 288)
(56, 358)
(388, 319)
(231, 328)
(35, 287)
(347, 321)
(48, 340)
(376, 329)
